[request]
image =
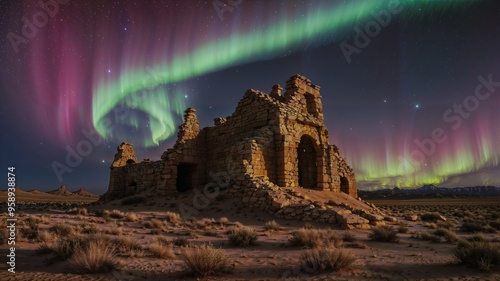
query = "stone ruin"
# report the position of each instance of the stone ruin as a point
(273, 148)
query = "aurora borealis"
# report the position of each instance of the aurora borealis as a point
(128, 70)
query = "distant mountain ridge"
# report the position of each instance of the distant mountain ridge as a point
(430, 190)
(62, 190)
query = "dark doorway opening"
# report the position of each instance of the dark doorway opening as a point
(308, 170)
(185, 176)
(344, 185)
(133, 187)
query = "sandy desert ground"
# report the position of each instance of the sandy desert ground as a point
(150, 241)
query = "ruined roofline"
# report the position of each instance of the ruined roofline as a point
(296, 84)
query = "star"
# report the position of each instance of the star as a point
(417, 106)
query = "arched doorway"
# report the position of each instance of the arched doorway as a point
(344, 185)
(308, 170)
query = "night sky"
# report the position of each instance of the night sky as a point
(410, 91)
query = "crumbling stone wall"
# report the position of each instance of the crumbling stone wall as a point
(275, 138)
(133, 176)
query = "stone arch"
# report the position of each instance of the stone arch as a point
(130, 161)
(344, 185)
(307, 155)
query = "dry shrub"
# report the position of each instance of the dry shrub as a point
(116, 214)
(427, 236)
(224, 221)
(172, 217)
(313, 238)
(243, 236)
(44, 236)
(326, 259)
(448, 235)
(118, 231)
(403, 228)
(102, 213)
(78, 211)
(161, 250)
(384, 234)
(348, 237)
(64, 249)
(272, 225)
(62, 230)
(96, 257)
(125, 244)
(162, 241)
(478, 237)
(476, 227)
(131, 217)
(206, 261)
(484, 255)
(90, 228)
(203, 223)
(155, 223)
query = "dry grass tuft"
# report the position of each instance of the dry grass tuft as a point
(102, 213)
(206, 261)
(403, 228)
(314, 238)
(272, 226)
(172, 217)
(78, 211)
(45, 236)
(224, 221)
(97, 257)
(384, 234)
(160, 250)
(348, 237)
(64, 249)
(62, 230)
(326, 259)
(483, 255)
(116, 214)
(448, 235)
(242, 236)
(132, 217)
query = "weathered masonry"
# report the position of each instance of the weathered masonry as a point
(277, 138)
